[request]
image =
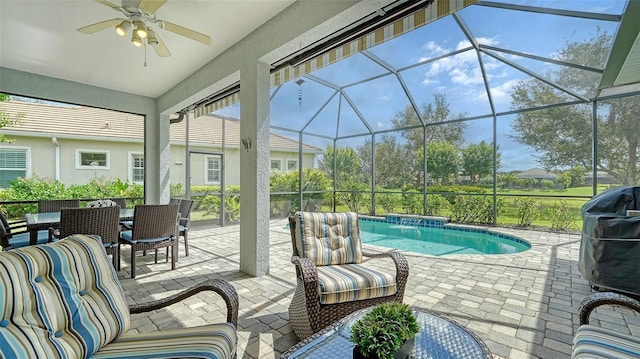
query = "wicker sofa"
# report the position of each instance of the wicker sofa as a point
(64, 300)
(332, 280)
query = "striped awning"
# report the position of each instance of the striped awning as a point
(216, 105)
(438, 9)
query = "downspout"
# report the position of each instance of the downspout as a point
(56, 161)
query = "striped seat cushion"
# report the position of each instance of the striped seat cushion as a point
(328, 238)
(349, 282)
(215, 341)
(59, 300)
(596, 342)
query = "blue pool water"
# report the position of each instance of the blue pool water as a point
(437, 239)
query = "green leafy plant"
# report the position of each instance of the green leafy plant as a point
(382, 331)
(527, 210)
(560, 214)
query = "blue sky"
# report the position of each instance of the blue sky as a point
(312, 107)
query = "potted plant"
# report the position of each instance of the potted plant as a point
(387, 331)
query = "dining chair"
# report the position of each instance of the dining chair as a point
(122, 202)
(154, 227)
(186, 205)
(102, 223)
(14, 234)
(54, 205)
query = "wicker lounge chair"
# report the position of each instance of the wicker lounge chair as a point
(64, 300)
(596, 342)
(332, 281)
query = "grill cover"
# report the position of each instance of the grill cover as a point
(610, 244)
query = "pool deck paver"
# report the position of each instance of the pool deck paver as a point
(523, 305)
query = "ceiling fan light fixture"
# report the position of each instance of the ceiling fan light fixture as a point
(136, 40)
(151, 37)
(141, 29)
(123, 27)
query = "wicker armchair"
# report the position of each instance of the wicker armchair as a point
(332, 282)
(103, 222)
(154, 227)
(54, 205)
(599, 342)
(74, 307)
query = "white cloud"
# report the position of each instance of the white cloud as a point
(380, 124)
(501, 93)
(384, 98)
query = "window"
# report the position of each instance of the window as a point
(276, 165)
(136, 167)
(13, 165)
(292, 165)
(92, 159)
(212, 169)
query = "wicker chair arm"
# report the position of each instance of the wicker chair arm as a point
(220, 286)
(307, 273)
(595, 300)
(306, 269)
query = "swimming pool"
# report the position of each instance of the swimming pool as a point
(433, 237)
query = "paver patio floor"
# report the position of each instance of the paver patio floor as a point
(522, 305)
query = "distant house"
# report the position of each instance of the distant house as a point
(537, 173)
(75, 144)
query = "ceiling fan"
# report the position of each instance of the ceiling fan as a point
(140, 16)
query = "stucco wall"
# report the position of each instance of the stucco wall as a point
(42, 160)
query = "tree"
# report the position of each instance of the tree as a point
(434, 114)
(442, 160)
(477, 160)
(347, 164)
(393, 162)
(562, 134)
(576, 173)
(6, 120)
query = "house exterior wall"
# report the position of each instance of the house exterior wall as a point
(41, 160)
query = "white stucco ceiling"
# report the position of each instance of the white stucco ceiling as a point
(40, 37)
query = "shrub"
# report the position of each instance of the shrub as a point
(382, 331)
(527, 210)
(437, 205)
(561, 219)
(353, 195)
(210, 203)
(475, 209)
(412, 201)
(388, 201)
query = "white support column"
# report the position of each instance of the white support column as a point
(157, 162)
(254, 168)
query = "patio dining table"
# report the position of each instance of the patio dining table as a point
(40, 221)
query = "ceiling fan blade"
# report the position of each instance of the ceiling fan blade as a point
(90, 29)
(150, 6)
(183, 31)
(160, 48)
(111, 5)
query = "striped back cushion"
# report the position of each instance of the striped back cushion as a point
(328, 238)
(59, 300)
